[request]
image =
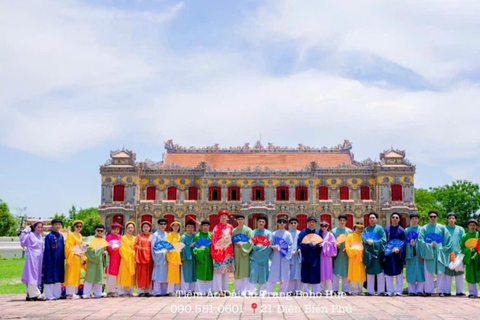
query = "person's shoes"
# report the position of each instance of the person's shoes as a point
(428, 294)
(86, 297)
(147, 295)
(386, 294)
(447, 294)
(411, 294)
(348, 293)
(141, 294)
(368, 294)
(335, 292)
(472, 296)
(420, 294)
(397, 294)
(441, 294)
(461, 294)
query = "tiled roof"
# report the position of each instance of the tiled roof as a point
(238, 161)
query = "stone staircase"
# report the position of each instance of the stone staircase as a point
(10, 248)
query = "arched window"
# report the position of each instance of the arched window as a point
(150, 193)
(366, 222)
(323, 193)
(302, 221)
(301, 193)
(146, 217)
(193, 193)
(233, 193)
(365, 193)
(350, 221)
(214, 220)
(172, 193)
(191, 217)
(119, 193)
(214, 193)
(344, 193)
(170, 218)
(328, 218)
(397, 192)
(258, 193)
(282, 193)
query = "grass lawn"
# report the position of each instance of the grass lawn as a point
(10, 275)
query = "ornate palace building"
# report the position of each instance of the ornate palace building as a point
(193, 183)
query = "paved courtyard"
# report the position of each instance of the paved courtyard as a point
(14, 307)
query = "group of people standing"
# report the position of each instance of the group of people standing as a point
(311, 260)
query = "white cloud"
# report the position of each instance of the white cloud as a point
(435, 39)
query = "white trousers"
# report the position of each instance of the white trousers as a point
(97, 290)
(204, 286)
(336, 284)
(159, 288)
(447, 283)
(308, 287)
(430, 283)
(186, 286)
(380, 283)
(472, 288)
(53, 291)
(220, 281)
(173, 287)
(241, 286)
(33, 291)
(399, 284)
(125, 290)
(283, 286)
(326, 285)
(356, 287)
(71, 290)
(416, 287)
(294, 285)
(111, 283)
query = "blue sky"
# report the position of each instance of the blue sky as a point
(81, 78)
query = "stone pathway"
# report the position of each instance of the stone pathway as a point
(298, 308)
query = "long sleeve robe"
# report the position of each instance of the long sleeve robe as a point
(173, 259)
(280, 267)
(203, 259)
(188, 260)
(373, 254)
(436, 259)
(54, 258)
(456, 232)
(296, 260)
(259, 257)
(395, 261)
(415, 269)
(32, 270)
(143, 257)
(126, 271)
(113, 255)
(160, 263)
(340, 262)
(73, 264)
(329, 250)
(311, 261)
(242, 253)
(356, 268)
(471, 259)
(223, 261)
(96, 262)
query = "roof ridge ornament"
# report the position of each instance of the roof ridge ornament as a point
(344, 147)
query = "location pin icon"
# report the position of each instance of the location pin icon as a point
(254, 306)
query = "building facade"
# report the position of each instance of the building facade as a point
(195, 183)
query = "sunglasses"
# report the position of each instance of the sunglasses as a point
(395, 217)
(163, 224)
(432, 217)
(282, 222)
(79, 226)
(99, 230)
(293, 222)
(323, 226)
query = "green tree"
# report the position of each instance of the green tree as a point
(461, 197)
(90, 217)
(425, 200)
(7, 221)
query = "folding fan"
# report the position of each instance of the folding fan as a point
(240, 238)
(202, 242)
(412, 235)
(98, 243)
(283, 245)
(471, 243)
(312, 238)
(162, 245)
(341, 238)
(179, 246)
(370, 235)
(114, 244)
(392, 244)
(356, 246)
(429, 238)
(262, 240)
